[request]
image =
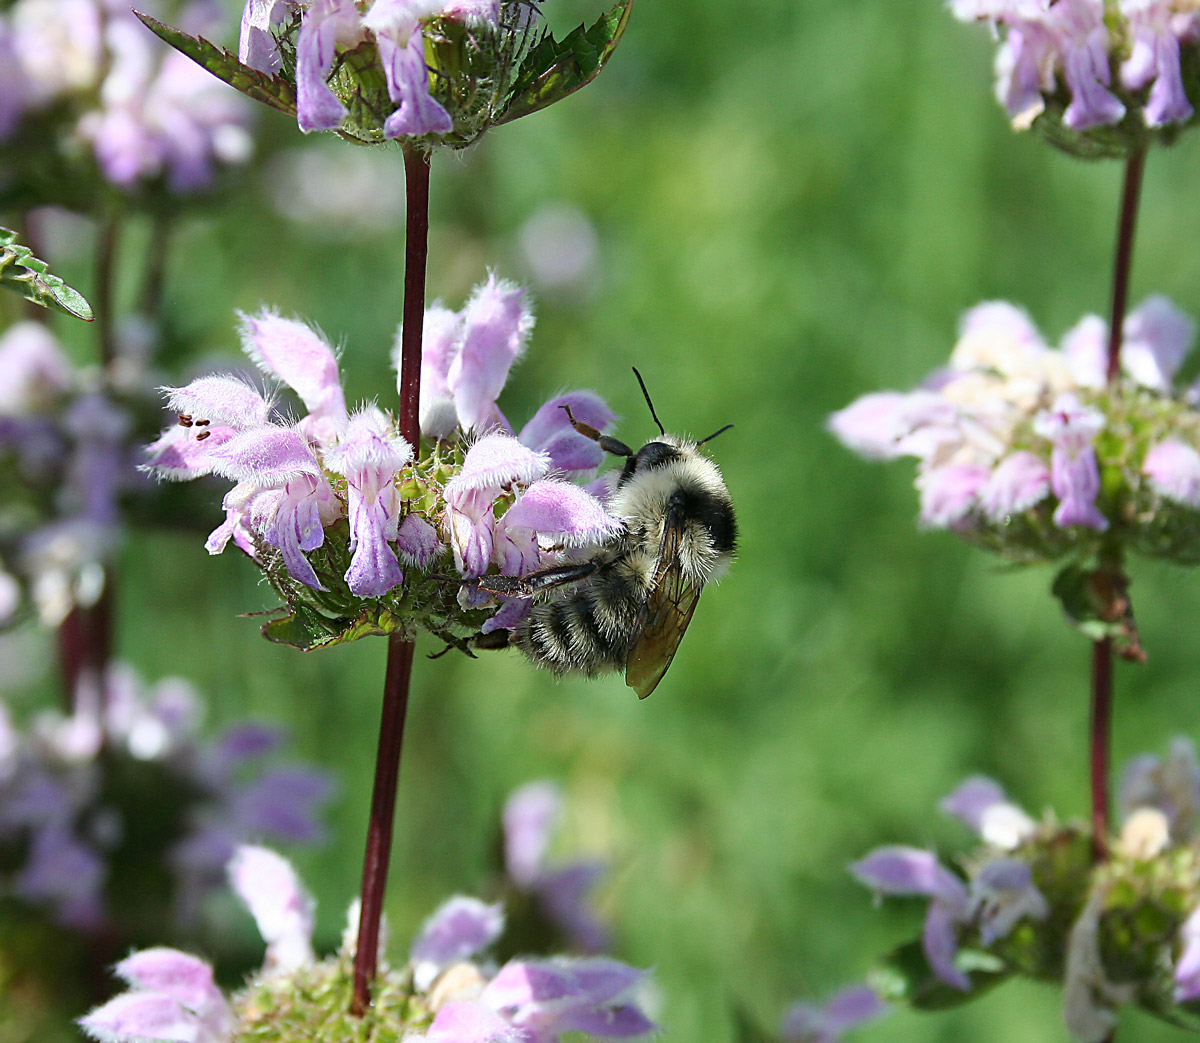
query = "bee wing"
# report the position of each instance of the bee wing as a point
(664, 617)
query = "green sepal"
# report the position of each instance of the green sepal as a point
(554, 69)
(904, 976)
(746, 1028)
(23, 273)
(270, 90)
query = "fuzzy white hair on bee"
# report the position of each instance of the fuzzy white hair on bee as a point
(628, 605)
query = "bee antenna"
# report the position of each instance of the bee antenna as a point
(719, 431)
(646, 394)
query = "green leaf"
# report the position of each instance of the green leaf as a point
(904, 976)
(23, 273)
(308, 630)
(270, 90)
(1096, 603)
(552, 70)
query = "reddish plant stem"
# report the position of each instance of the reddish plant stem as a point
(400, 648)
(1101, 729)
(85, 641)
(1102, 650)
(1126, 227)
(106, 256)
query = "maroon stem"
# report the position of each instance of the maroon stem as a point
(416, 249)
(1102, 650)
(1101, 729)
(105, 289)
(85, 641)
(1126, 228)
(400, 648)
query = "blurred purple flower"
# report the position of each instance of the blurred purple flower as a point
(282, 910)
(546, 998)
(1019, 482)
(1173, 469)
(531, 816)
(910, 871)
(1071, 427)
(172, 997)
(460, 928)
(827, 1023)
(982, 805)
(1187, 967)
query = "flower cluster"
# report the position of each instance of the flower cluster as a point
(1035, 903)
(1055, 66)
(354, 530)
(403, 35)
(86, 72)
(444, 994)
(128, 772)
(1029, 451)
(66, 452)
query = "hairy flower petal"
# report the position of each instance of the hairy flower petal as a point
(281, 907)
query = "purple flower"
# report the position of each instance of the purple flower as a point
(1083, 40)
(888, 424)
(911, 871)
(495, 463)
(982, 805)
(417, 112)
(1173, 469)
(327, 25)
(531, 816)
(300, 357)
(256, 45)
(282, 909)
(1019, 482)
(332, 25)
(34, 372)
(557, 512)
(550, 431)
(1002, 894)
(459, 929)
(1157, 31)
(1157, 338)
(950, 492)
(172, 997)
(545, 998)
(466, 357)
(1187, 967)
(828, 1022)
(369, 456)
(470, 1023)
(1070, 427)
(1170, 786)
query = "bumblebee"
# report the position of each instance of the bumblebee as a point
(628, 602)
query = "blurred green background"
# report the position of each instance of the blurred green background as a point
(791, 204)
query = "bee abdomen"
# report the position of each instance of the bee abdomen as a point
(588, 631)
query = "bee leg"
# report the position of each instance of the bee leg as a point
(496, 639)
(534, 582)
(606, 442)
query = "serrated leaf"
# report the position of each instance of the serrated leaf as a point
(904, 976)
(270, 90)
(308, 630)
(25, 274)
(553, 69)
